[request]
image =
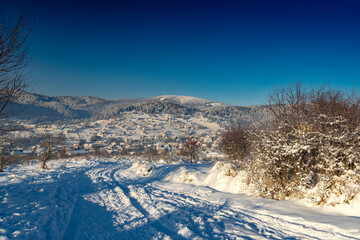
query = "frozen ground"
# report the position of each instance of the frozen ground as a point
(116, 199)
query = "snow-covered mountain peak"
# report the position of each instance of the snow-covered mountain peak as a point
(188, 101)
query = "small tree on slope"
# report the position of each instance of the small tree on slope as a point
(235, 144)
(190, 148)
(50, 143)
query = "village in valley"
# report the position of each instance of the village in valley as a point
(133, 133)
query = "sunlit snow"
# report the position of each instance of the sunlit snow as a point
(126, 199)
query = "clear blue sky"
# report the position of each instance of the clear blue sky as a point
(229, 51)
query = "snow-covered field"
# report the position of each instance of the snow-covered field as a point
(123, 199)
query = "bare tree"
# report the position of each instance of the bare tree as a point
(191, 148)
(153, 153)
(96, 149)
(288, 104)
(235, 143)
(50, 144)
(63, 152)
(334, 103)
(14, 57)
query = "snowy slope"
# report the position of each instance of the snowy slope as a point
(116, 199)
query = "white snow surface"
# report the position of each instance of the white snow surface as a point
(126, 199)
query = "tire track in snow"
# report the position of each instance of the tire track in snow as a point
(213, 226)
(153, 222)
(182, 215)
(111, 196)
(260, 223)
(280, 227)
(185, 203)
(190, 206)
(64, 199)
(186, 208)
(89, 220)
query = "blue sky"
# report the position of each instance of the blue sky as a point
(229, 51)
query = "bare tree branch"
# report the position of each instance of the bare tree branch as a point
(14, 57)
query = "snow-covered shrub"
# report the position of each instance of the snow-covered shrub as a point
(290, 161)
(312, 149)
(279, 167)
(336, 166)
(335, 190)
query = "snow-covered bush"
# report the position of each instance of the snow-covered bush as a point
(290, 161)
(312, 149)
(336, 167)
(281, 161)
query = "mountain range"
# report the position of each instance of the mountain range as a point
(39, 108)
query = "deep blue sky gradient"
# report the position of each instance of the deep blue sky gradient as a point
(229, 51)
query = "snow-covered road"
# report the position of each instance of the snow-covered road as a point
(110, 200)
